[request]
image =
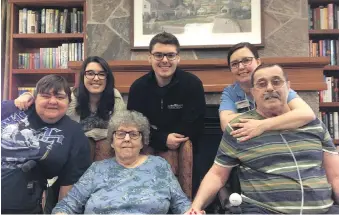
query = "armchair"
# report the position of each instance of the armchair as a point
(181, 161)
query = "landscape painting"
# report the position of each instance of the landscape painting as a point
(197, 23)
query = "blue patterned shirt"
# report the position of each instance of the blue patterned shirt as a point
(109, 188)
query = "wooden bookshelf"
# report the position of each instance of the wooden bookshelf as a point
(324, 42)
(36, 42)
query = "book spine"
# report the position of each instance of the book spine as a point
(43, 20)
(20, 22)
(66, 22)
(330, 15)
(24, 20)
(336, 125)
(56, 22)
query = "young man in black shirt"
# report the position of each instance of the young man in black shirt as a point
(173, 100)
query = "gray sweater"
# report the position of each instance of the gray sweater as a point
(109, 188)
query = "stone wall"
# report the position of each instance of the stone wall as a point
(285, 32)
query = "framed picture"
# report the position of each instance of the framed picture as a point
(197, 23)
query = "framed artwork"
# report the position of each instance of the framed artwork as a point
(197, 23)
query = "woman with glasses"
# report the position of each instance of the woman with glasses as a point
(132, 182)
(93, 103)
(243, 59)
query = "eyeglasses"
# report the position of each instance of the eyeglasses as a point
(245, 61)
(275, 82)
(134, 135)
(49, 96)
(170, 56)
(90, 74)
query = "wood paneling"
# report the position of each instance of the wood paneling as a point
(304, 73)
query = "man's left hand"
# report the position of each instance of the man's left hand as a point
(247, 129)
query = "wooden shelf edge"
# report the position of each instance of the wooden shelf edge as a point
(47, 2)
(331, 68)
(42, 71)
(49, 36)
(323, 2)
(328, 104)
(323, 31)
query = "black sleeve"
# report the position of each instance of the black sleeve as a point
(78, 160)
(192, 122)
(158, 138)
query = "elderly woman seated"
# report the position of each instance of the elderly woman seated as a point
(129, 183)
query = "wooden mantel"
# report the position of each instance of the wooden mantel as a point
(304, 73)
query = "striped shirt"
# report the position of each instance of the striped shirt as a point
(268, 172)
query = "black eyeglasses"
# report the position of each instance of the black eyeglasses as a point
(276, 83)
(134, 135)
(245, 61)
(170, 56)
(90, 74)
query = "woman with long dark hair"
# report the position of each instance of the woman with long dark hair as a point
(93, 103)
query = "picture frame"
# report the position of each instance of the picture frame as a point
(197, 23)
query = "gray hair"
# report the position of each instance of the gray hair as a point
(129, 118)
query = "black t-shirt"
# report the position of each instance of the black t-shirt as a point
(59, 149)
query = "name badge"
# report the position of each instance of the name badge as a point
(243, 106)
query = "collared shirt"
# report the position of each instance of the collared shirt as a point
(270, 164)
(233, 94)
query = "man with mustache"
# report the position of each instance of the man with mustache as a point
(288, 171)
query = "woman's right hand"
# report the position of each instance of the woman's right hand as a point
(193, 211)
(24, 101)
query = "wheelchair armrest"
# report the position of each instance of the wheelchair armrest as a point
(223, 196)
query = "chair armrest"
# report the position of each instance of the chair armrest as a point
(186, 167)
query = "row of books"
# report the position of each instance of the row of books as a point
(22, 90)
(330, 119)
(50, 21)
(330, 48)
(324, 17)
(332, 92)
(49, 58)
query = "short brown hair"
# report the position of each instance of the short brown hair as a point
(164, 38)
(55, 82)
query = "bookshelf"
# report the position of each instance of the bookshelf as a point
(323, 36)
(45, 35)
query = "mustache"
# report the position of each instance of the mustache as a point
(270, 95)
